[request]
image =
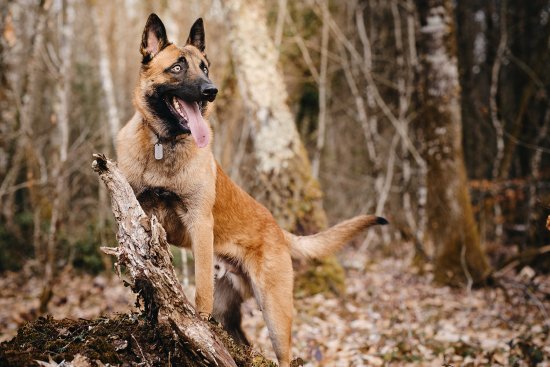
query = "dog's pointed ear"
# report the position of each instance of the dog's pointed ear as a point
(153, 39)
(196, 35)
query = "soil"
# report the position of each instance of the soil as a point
(122, 340)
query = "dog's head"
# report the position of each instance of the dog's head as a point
(174, 87)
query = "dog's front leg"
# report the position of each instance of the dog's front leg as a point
(202, 238)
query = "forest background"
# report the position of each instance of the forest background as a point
(434, 114)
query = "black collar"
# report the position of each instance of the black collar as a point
(163, 139)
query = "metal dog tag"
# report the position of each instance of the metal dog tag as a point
(158, 151)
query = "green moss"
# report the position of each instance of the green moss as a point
(244, 356)
(123, 339)
(322, 276)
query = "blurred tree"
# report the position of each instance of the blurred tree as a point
(349, 68)
(61, 143)
(459, 257)
(503, 56)
(283, 183)
(282, 177)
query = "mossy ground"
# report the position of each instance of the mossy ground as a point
(321, 276)
(122, 340)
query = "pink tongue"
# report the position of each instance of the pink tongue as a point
(197, 125)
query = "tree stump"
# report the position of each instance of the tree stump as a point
(145, 253)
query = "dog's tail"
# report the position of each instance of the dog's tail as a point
(331, 240)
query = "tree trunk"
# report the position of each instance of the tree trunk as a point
(459, 256)
(146, 255)
(282, 179)
(112, 125)
(63, 91)
(113, 116)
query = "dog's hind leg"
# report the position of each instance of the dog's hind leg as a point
(272, 286)
(227, 309)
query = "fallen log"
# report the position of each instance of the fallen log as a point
(145, 253)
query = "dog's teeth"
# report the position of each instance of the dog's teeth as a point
(178, 108)
(176, 105)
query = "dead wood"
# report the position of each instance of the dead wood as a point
(523, 258)
(145, 253)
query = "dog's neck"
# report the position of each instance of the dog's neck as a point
(163, 139)
(160, 141)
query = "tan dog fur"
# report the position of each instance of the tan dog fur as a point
(201, 208)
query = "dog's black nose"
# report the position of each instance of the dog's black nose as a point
(209, 92)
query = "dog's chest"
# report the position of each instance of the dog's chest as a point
(178, 171)
(169, 208)
(167, 172)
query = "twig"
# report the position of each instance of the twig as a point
(321, 125)
(359, 105)
(521, 258)
(303, 49)
(384, 190)
(518, 285)
(279, 27)
(141, 352)
(470, 280)
(398, 125)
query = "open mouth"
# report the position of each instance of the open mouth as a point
(190, 120)
(176, 106)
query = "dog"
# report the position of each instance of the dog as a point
(164, 152)
(231, 290)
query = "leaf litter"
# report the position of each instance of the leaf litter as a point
(390, 314)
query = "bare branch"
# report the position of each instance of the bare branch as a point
(321, 126)
(145, 252)
(279, 27)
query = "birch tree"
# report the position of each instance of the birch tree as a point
(459, 257)
(63, 91)
(283, 181)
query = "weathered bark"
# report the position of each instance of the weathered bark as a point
(146, 255)
(459, 256)
(283, 180)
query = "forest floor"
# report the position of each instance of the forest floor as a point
(389, 315)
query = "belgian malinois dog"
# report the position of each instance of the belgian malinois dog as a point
(164, 151)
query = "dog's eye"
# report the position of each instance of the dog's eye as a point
(205, 70)
(176, 68)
